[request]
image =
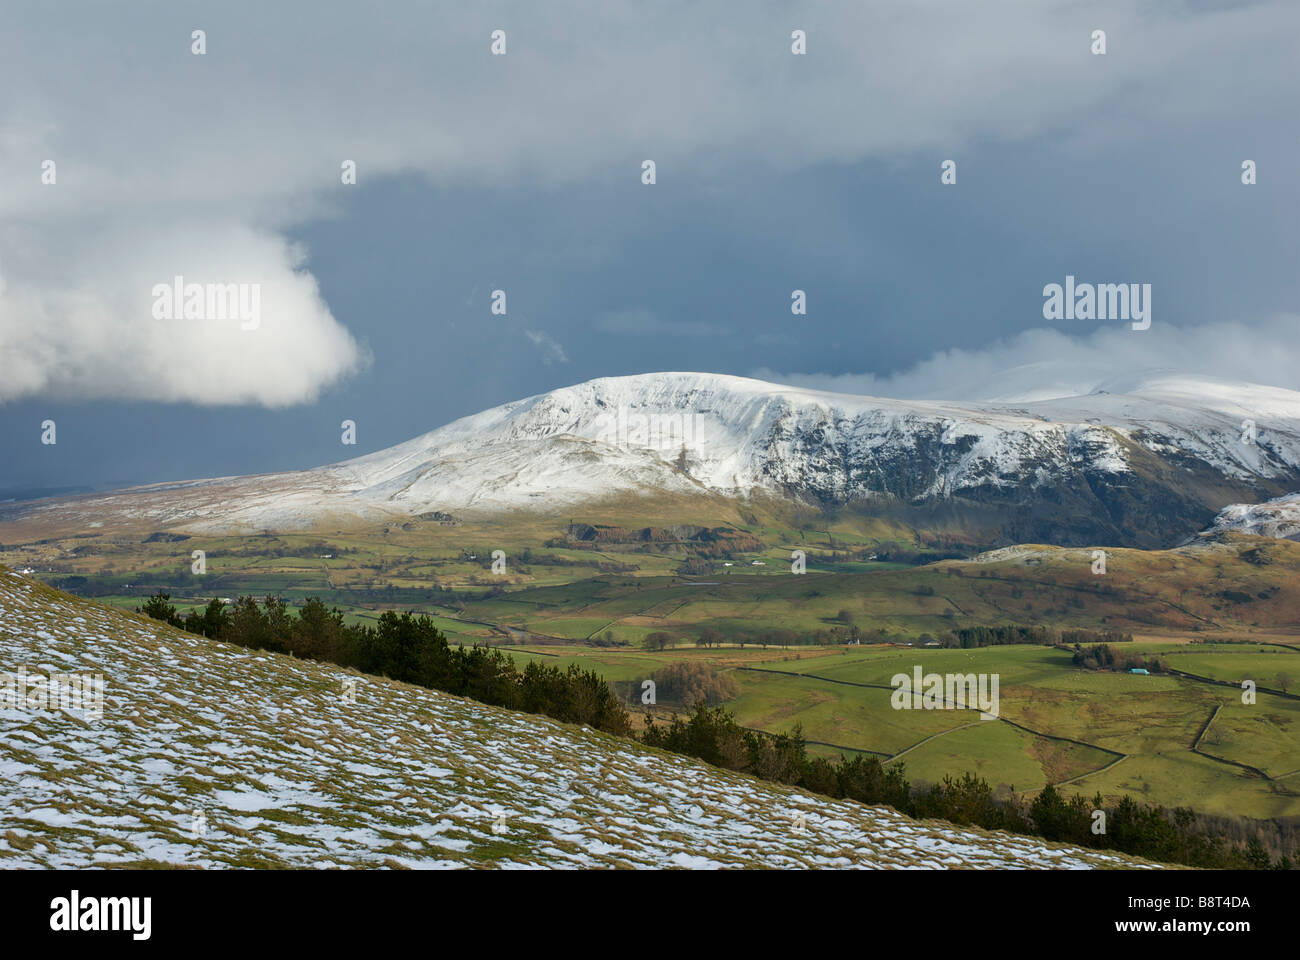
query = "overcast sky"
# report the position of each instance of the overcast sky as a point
(522, 172)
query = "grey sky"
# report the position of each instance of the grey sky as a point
(522, 172)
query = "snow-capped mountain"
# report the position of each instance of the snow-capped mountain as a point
(1278, 518)
(1145, 467)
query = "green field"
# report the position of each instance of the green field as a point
(1224, 611)
(1134, 733)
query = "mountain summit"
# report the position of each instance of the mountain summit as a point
(1145, 467)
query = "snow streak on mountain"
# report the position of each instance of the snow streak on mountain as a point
(1145, 467)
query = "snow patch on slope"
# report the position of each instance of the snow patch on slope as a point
(1278, 518)
(287, 773)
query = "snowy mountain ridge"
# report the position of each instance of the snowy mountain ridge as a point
(1174, 448)
(1278, 518)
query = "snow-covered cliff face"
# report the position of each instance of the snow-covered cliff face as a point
(1165, 450)
(1279, 518)
(1144, 467)
(734, 435)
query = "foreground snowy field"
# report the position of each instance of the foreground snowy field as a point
(209, 755)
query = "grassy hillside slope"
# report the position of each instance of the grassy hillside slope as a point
(284, 772)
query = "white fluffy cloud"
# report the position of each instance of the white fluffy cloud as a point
(89, 329)
(547, 346)
(1044, 363)
(170, 163)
